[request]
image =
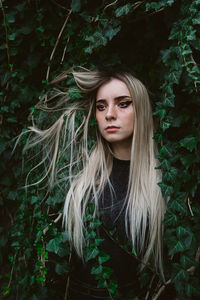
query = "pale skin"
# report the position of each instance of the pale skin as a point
(115, 117)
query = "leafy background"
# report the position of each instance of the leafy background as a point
(160, 43)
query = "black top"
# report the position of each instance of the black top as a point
(112, 203)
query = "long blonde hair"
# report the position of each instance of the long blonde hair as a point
(89, 169)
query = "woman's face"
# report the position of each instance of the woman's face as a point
(114, 112)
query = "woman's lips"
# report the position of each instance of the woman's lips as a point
(111, 128)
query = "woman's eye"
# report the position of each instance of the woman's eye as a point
(100, 107)
(124, 104)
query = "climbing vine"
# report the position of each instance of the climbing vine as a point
(160, 43)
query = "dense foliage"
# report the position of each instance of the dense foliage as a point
(159, 42)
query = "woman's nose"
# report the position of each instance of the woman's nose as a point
(111, 113)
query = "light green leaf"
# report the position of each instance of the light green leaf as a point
(169, 101)
(97, 269)
(123, 10)
(165, 125)
(12, 36)
(111, 32)
(34, 199)
(98, 241)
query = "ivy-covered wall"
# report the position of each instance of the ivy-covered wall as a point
(160, 43)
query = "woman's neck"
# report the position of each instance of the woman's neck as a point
(122, 150)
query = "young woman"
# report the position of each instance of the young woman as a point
(117, 174)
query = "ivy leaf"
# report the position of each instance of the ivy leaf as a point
(97, 39)
(188, 159)
(98, 241)
(185, 235)
(103, 257)
(167, 190)
(181, 275)
(167, 151)
(165, 164)
(159, 4)
(165, 125)
(12, 195)
(102, 284)
(12, 36)
(123, 10)
(62, 268)
(192, 35)
(34, 199)
(111, 32)
(178, 205)
(53, 245)
(10, 18)
(97, 269)
(171, 220)
(191, 290)
(112, 287)
(182, 231)
(91, 234)
(188, 143)
(169, 101)
(196, 21)
(96, 223)
(26, 29)
(186, 261)
(76, 5)
(178, 247)
(92, 252)
(107, 272)
(174, 77)
(170, 175)
(161, 113)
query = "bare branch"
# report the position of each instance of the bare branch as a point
(161, 289)
(55, 221)
(113, 3)
(64, 51)
(56, 44)
(190, 209)
(59, 5)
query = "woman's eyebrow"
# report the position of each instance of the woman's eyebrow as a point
(116, 98)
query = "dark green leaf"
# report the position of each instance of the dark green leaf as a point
(178, 247)
(188, 143)
(187, 261)
(171, 220)
(53, 245)
(62, 268)
(76, 5)
(181, 275)
(97, 269)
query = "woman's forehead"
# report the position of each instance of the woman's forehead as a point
(113, 88)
